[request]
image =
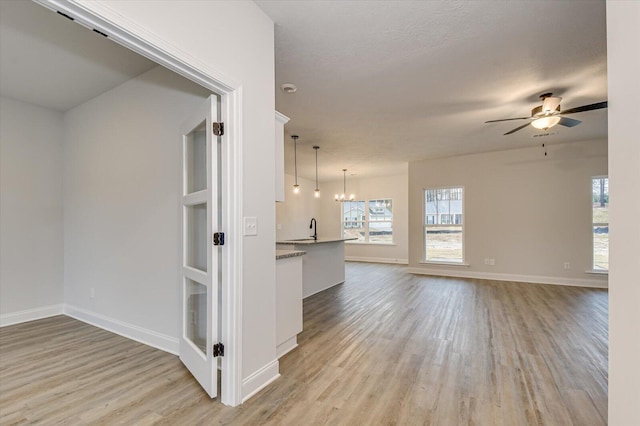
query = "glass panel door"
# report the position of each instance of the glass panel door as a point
(200, 263)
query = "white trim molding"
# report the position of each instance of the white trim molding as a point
(434, 263)
(534, 279)
(232, 282)
(287, 346)
(376, 260)
(30, 315)
(260, 379)
(139, 334)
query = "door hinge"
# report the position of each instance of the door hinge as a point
(218, 350)
(218, 238)
(218, 129)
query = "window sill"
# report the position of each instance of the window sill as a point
(356, 243)
(427, 262)
(597, 272)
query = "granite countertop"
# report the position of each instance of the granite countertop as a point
(283, 254)
(309, 241)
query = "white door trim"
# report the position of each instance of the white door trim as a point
(97, 15)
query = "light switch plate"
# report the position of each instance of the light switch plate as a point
(250, 226)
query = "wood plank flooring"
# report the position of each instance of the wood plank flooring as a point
(386, 347)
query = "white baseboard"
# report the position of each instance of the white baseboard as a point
(376, 260)
(148, 337)
(260, 379)
(535, 279)
(30, 315)
(286, 346)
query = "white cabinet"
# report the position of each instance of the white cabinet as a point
(281, 120)
(288, 303)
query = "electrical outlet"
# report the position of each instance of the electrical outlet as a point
(93, 292)
(492, 262)
(567, 265)
(486, 261)
(279, 226)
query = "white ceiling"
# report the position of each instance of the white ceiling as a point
(47, 60)
(381, 83)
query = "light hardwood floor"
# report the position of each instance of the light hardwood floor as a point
(386, 347)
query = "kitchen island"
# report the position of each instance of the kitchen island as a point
(322, 265)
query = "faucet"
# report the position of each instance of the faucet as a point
(314, 226)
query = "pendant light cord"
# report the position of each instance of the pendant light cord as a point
(316, 148)
(344, 182)
(295, 157)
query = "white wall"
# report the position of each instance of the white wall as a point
(529, 212)
(234, 39)
(623, 68)
(394, 187)
(121, 198)
(30, 210)
(293, 215)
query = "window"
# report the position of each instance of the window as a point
(368, 221)
(600, 222)
(444, 225)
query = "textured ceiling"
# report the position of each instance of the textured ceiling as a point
(381, 83)
(47, 60)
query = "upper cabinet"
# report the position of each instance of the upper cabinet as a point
(281, 120)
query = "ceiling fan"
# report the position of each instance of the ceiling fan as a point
(548, 114)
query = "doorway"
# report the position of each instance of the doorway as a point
(119, 200)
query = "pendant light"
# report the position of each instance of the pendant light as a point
(343, 197)
(296, 187)
(316, 191)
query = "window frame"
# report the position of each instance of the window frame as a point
(459, 195)
(599, 224)
(367, 221)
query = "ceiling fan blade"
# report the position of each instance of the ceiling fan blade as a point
(582, 108)
(516, 129)
(568, 122)
(508, 119)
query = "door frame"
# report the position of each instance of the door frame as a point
(98, 16)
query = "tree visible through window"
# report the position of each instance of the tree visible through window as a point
(600, 222)
(444, 225)
(368, 221)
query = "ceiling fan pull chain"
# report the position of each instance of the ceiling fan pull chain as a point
(545, 149)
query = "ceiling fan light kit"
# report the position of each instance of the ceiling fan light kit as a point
(545, 123)
(547, 115)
